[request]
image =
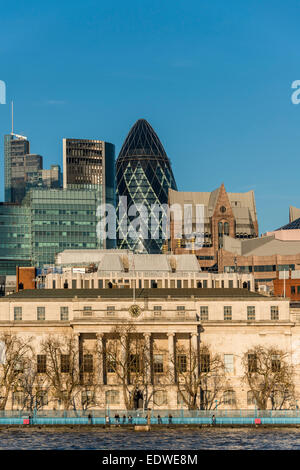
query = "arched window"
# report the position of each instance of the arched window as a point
(226, 228)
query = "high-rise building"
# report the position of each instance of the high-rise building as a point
(16, 147)
(89, 164)
(144, 175)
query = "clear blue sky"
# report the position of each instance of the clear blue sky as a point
(212, 77)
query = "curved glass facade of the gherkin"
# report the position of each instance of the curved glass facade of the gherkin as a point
(144, 176)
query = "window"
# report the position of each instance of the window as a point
(274, 313)
(65, 363)
(134, 363)
(18, 398)
(157, 310)
(87, 310)
(293, 289)
(230, 284)
(229, 397)
(158, 363)
(110, 310)
(180, 309)
(64, 313)
(160, 398)
(250, 313)
(204, 362)
(252, 363)
(87, 397)
(250, 398)
(41, 313)
(100, 283)
(17, 313)
(204, 313)
(205, 284)
(228, 362)
(181, 363)
(183, 397)
(42, 398)
(227, 313)
(112, 397)
(41, 363)
(111, 364)
(88, 365)
(275, 363)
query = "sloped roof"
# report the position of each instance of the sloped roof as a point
(295, 224)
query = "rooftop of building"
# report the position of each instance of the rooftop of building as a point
(140, 294)
(262, 246)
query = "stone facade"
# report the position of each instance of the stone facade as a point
(168, 320)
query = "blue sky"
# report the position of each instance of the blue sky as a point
(212, 77)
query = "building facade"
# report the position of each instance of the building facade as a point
(167, 324)
(90, 164)
(231, 214)
(16, 147)
(143, 177)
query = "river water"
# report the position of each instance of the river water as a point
(169, 439)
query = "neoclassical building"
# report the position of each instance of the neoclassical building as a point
(166, 325)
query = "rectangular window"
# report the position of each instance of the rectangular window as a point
(112, 397)
(17, 313)
(274, 313)
(111, 364)
(228, 363)
(110, 310)
(158, 363)
(275, 363)
(204, 362)
(41, 313)
(230, 284)
(181, 363)
(87, 310)
(88, 365)
(74, 284)
(65, 363)
(157, 310)
(100, 283)
(298, 289)
(205, 284)
(41, 364)
(134, 363)
(204, 313)
(250, 313)
(64, 313)
(229, 397)
(180, 309)
(18, 398)
(293, 289)
(252, 363)
(42, 398)
(227, 313)
(87, 397)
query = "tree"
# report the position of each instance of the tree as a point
(62, 370)
(127, 354)
(200, 376)
(15, 351)
(269, 376)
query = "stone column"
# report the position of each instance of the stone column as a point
(148, 358)
(194, 350)
(100, 358)
(171, 340)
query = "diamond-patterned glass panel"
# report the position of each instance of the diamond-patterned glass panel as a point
(143, 175)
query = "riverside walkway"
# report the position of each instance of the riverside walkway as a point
(161, 418)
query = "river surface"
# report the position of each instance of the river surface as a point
(184, 439)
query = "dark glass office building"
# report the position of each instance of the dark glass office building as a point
(144, 175)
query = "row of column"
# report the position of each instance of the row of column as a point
(147, 336)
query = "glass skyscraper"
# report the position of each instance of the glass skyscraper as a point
(144, 175)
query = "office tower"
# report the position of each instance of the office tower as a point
(90, 164)
(16, 147)
(33, 165)
(52, 178)
(144, 175)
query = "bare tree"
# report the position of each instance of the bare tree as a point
(128, 356)
(15, 350)
(199, 375)
(269, 375)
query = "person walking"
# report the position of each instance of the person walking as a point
(124, 419)
(170, 418)
(213, 420)
(159, 421)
